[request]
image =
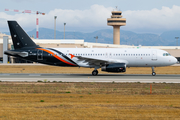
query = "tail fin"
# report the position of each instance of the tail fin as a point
(19, 37)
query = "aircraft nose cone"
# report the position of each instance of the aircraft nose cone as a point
(174, 60)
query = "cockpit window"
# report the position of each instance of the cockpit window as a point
(166, 54)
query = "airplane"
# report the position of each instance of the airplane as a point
(108, 59)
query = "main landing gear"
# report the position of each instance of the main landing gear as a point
(95, 72)
(153, 73)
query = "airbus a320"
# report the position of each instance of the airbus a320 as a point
(108, 59)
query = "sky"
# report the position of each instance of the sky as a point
(143, 16)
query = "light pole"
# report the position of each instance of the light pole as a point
(177, 40)
(96, 38)
(55, 27)
(64, 30)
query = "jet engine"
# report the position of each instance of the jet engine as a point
(114, 67)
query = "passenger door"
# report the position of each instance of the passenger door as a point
(154, 55)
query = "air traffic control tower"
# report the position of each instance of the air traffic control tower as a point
(116, 21)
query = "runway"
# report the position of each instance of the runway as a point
(89, 78)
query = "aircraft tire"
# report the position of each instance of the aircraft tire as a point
(94, 72)
(153, 74)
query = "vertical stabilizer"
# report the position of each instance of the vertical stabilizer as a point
(19, 37)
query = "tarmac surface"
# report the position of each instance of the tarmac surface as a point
(89, 78)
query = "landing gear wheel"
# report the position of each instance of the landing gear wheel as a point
(94, 72)
(153, 74)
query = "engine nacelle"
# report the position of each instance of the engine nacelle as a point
(114, 67)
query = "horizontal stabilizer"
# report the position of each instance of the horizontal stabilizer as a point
(22, 54)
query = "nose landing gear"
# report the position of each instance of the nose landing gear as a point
(153, 73)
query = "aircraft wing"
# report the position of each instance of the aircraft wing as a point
(99, 61)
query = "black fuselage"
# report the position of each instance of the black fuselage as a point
(39, 56)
